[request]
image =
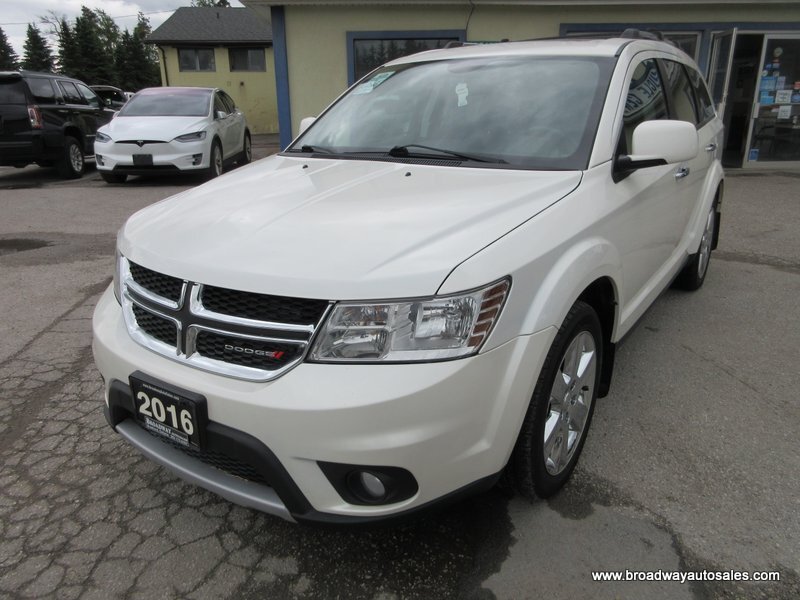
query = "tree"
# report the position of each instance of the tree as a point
(107, 30)
(211, 3)
(69, 60)
(9, 61)
(95, 62)
(38, 56)
(135, 62)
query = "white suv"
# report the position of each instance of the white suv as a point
(425, 289)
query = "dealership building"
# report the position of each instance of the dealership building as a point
(750, 51)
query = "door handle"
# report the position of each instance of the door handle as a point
(711, 147)
(682, 172)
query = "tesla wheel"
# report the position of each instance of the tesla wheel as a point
(694, 272)
(113, 177)
(560, 411)
(215, 166)
(247, 150)
(72, 162)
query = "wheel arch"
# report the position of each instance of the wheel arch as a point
(601, 295)
(75, 132)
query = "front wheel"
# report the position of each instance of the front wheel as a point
(693, 275)
(246, 154)
(560, 412)
(215, 166)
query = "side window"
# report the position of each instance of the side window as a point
(705, 108)
(71, 93)
(681, 95)
(90, 97)
(230, 105)
(645, 101)
(219, 105)
(42, 90)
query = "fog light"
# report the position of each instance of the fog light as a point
(99, 160)
(367, 485)
(372, 485)
(197, 159)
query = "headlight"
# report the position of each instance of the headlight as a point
(197, 136)
(102, 137)
(423, 329)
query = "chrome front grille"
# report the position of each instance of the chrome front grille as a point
(240, 334)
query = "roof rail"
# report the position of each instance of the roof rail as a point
(459, 44)
(638, 34)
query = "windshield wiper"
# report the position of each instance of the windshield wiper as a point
(312, 149)
(403, 152)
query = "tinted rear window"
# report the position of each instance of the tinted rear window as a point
(12, 92)
(42, 90)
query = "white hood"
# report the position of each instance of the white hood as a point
(152, 128)
(337, 229)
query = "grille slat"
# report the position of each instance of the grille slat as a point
(262, 307)
(156, 283)
(155, 326)
(218, 460)
(241, 334)
(255, 354)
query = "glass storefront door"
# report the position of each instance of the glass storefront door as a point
(774, 138)
(722, 45)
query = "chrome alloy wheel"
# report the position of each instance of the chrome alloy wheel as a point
(570, 401)
(76, 158)
(216, 157)
(705, 244)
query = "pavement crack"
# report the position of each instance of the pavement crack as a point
(721, 367)
(777, 262)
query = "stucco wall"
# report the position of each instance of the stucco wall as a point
(253, 91)
(316, 36)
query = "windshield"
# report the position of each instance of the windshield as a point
(528, 112)
(166, 102)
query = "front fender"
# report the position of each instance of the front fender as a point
(543, 287)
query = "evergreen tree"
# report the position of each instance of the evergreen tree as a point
(9, 61)
(69, 59)
(95, 63)
(136, 63)
(107, 30)
(211, 3)
(38, 56)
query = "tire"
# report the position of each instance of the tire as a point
(693, 274)
(72, 162)
(113, 177)
(215, 165)
(246, 155)
(560, 412)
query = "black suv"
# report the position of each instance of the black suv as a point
(49, 120)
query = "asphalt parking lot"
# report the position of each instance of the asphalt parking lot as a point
(691, 465)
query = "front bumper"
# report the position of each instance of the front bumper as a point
(451, 424)
(167, 156)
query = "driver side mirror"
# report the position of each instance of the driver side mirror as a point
(659, 142)
(221, 114)
(306, 123)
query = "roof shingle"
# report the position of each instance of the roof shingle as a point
(211, 25)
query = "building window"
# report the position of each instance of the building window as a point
(196, 59)
(247, 59)
(369, 50)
